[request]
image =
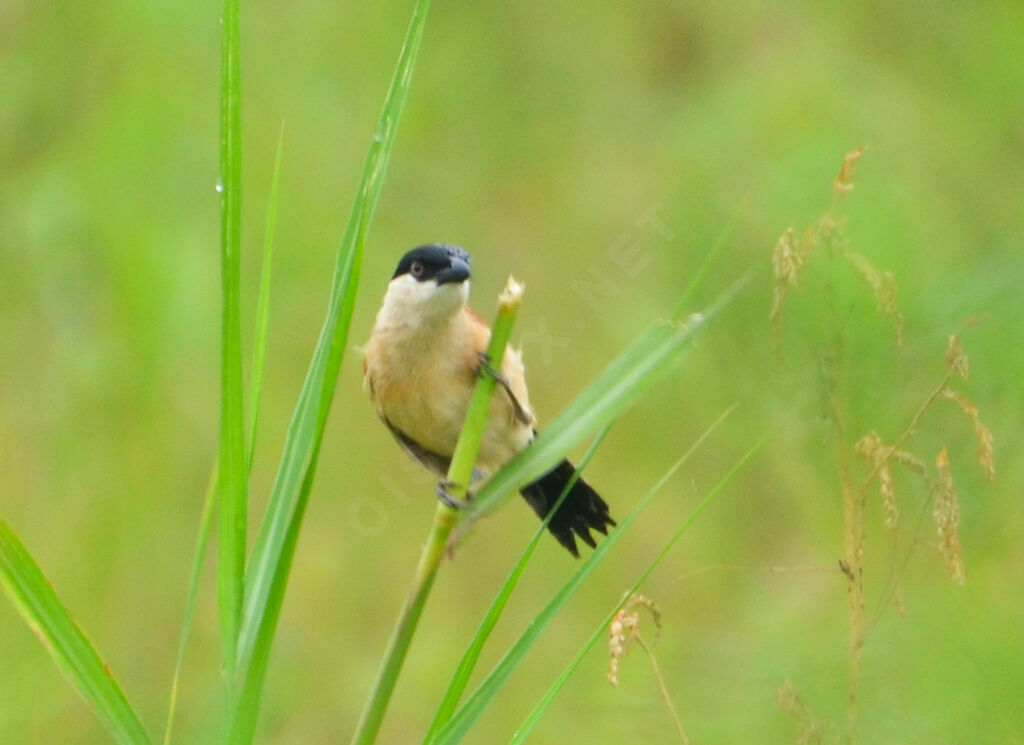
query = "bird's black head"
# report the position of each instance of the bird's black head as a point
(440, 262)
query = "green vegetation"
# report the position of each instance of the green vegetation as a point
(603, 159)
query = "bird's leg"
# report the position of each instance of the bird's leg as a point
(485, 367)
(446, 497)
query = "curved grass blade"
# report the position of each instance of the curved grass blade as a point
(77, 659)
(466, 716)
(232, 469)
(602, 629)
(198, 557)
(463, 671)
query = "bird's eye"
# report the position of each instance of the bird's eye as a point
(417, 269)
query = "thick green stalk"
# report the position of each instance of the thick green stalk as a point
(460, 473)
(467, 664)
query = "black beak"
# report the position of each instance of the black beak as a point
(457, 272)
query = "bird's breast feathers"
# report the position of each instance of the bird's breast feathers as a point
(421, 382)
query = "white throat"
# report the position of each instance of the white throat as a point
(413, 309)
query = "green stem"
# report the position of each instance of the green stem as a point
(460, 473)
(231, 468)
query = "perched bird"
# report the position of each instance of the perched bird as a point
(422, 360)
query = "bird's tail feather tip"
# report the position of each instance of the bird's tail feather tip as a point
(582, 510)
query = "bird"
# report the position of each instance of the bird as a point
(425, 352)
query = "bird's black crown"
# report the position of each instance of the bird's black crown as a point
(439, 261)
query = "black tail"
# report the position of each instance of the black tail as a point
(581, 510)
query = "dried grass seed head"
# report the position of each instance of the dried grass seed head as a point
(843, 183)
(946, 512)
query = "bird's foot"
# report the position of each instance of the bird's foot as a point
(446, 496)
(484, 367)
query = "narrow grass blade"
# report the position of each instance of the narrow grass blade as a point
(42, 610)
(198, 557)
(233, 476)
(466, 716)
(259, 351)
(602, 629)
(463, 671)
(270, 564)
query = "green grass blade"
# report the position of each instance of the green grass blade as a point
(466, 716)
(42, 610)
(605, 398)
(463, 671)
(602, 629)
(233, 477)
(198, 557)
(269, 566)
(611, 393)
(259, 352)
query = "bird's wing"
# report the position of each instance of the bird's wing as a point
(434, 461)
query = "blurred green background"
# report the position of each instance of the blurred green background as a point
(550, 140)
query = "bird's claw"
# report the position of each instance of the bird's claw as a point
(484, 366)
(446, 497)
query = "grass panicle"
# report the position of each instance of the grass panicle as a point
(790, 259)
(947, 518)
(623, 633)
(883, 286)
(624, 630)
(842, 185)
